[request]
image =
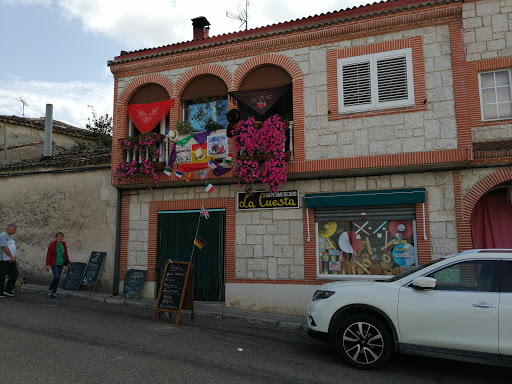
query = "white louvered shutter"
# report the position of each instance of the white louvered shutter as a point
(357, 84)
(392, 79)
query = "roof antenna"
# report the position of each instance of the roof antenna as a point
(242, 16)
(24, 103)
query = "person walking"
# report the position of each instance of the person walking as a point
(8, 265)
(56, 258)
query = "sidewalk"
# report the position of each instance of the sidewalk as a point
(218, 310)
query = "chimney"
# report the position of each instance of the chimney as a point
(48, 125)
(201, 27)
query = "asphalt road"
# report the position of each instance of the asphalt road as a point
(73, 340)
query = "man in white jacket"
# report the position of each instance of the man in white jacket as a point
(8, 265)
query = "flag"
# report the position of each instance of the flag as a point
(188, 176)
(172, 156)
(199, 242)
(168, 171)
(204, 212)
(204, 174)
(228, 159)
(209, 188)
(179, 174)
(212, 164)
(220, 171)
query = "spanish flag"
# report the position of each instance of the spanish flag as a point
(199, 242)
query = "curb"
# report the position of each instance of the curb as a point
(103, 298)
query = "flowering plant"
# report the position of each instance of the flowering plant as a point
(269, 140)
(145, 141)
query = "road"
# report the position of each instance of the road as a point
(72, 340)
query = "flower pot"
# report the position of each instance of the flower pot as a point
(158, 165)
(159, 137)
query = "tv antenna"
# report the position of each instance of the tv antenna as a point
(242, 16)
(24, 103)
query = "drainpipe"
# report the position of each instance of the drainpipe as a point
(48, 125)
(115, 288)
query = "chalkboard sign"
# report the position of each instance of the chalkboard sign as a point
(133, 281)
(175, 290)
(93, 268)
(74, 277)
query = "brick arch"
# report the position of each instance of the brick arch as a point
(271, 58)
(297, 94)
(206, 69)
(155, 78)
(480, 188)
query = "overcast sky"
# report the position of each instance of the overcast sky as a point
(56, 51)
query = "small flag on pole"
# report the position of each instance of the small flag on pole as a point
(188, 176)
(228, 159)
(168, 171)
(209, 188)
(212, 164)
(204, 173)
(179, 174)
(204, 212)
(199, 242)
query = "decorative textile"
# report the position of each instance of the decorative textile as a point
(168, 171)
(199, 153)
(491, 221)
(172, 157)
(219, 171)
(204, 174)
(184, 141)
(261, 100)
(212, 164)
(179, 174)
(191, 167)
(204, 212)
(188, 177)
(146, 116)
(200, 138)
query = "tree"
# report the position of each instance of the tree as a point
(101, 126)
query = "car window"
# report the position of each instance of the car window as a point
(506, 277)
(474, 275)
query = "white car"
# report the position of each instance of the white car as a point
(458, 307)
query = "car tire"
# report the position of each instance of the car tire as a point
(363, 342)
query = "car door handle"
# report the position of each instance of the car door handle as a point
(484, 305)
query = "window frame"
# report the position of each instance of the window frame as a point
(509, 71)
(215, 114)
(373, 59)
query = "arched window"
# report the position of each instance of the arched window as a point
(149, 94)
(205, 103)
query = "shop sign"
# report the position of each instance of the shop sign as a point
(268, 200)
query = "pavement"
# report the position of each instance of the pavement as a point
(201, 308)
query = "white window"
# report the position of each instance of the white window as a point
(495, 95)
(377, 81)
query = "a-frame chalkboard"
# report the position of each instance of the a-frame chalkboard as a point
(93, 269)
(175, 291)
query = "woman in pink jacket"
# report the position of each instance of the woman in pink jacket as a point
(56, 259)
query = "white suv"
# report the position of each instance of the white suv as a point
(458, 307)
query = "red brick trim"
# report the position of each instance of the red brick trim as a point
(423, 232)
(416, 45)
(124, 235)
(480, 188)
(473, 69)
(460, 85)
(226, 203)
(463, 226)
(297, 93)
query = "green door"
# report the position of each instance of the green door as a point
(175, 241)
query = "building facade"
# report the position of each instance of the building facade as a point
(400, 148)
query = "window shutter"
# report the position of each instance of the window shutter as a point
(357, 84)
(392, 79)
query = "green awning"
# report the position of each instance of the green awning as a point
(365, 198)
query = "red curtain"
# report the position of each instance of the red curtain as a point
(491, 222)
(146, 116)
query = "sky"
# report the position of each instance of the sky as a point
(56, 51)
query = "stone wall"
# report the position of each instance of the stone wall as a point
(82, 205)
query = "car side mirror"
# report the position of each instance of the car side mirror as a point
(424, 283)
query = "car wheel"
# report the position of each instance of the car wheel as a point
(363, 342)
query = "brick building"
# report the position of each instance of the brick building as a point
(400, 144)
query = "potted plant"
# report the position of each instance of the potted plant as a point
(212, 126)
(184, 127)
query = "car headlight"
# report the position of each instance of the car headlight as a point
(320, 295)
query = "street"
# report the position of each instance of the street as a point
(72, 340)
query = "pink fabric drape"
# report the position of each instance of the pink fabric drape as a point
(491, 222)
(146, 116)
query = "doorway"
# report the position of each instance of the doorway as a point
(175, 241)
